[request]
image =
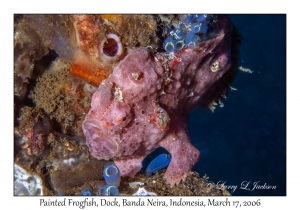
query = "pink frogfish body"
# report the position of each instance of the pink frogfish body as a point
(145, 102)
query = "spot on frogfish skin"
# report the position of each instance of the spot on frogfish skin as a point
(215, 66)
(160, 117)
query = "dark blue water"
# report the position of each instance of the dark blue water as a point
(245, 141)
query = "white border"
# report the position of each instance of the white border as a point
(8, 8)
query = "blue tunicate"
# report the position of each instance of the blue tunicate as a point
(158, 163)
(195, 27)
(86, 193)
(109, 190)
(177, 33)
(201, 17)
(111, 174)
(187, 32)
(203, 28)
(182, 26)
(179, 44)
(191, 40)
(191, 45)
(169, 44)
(190, 19)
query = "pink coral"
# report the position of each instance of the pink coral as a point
(145, 103)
